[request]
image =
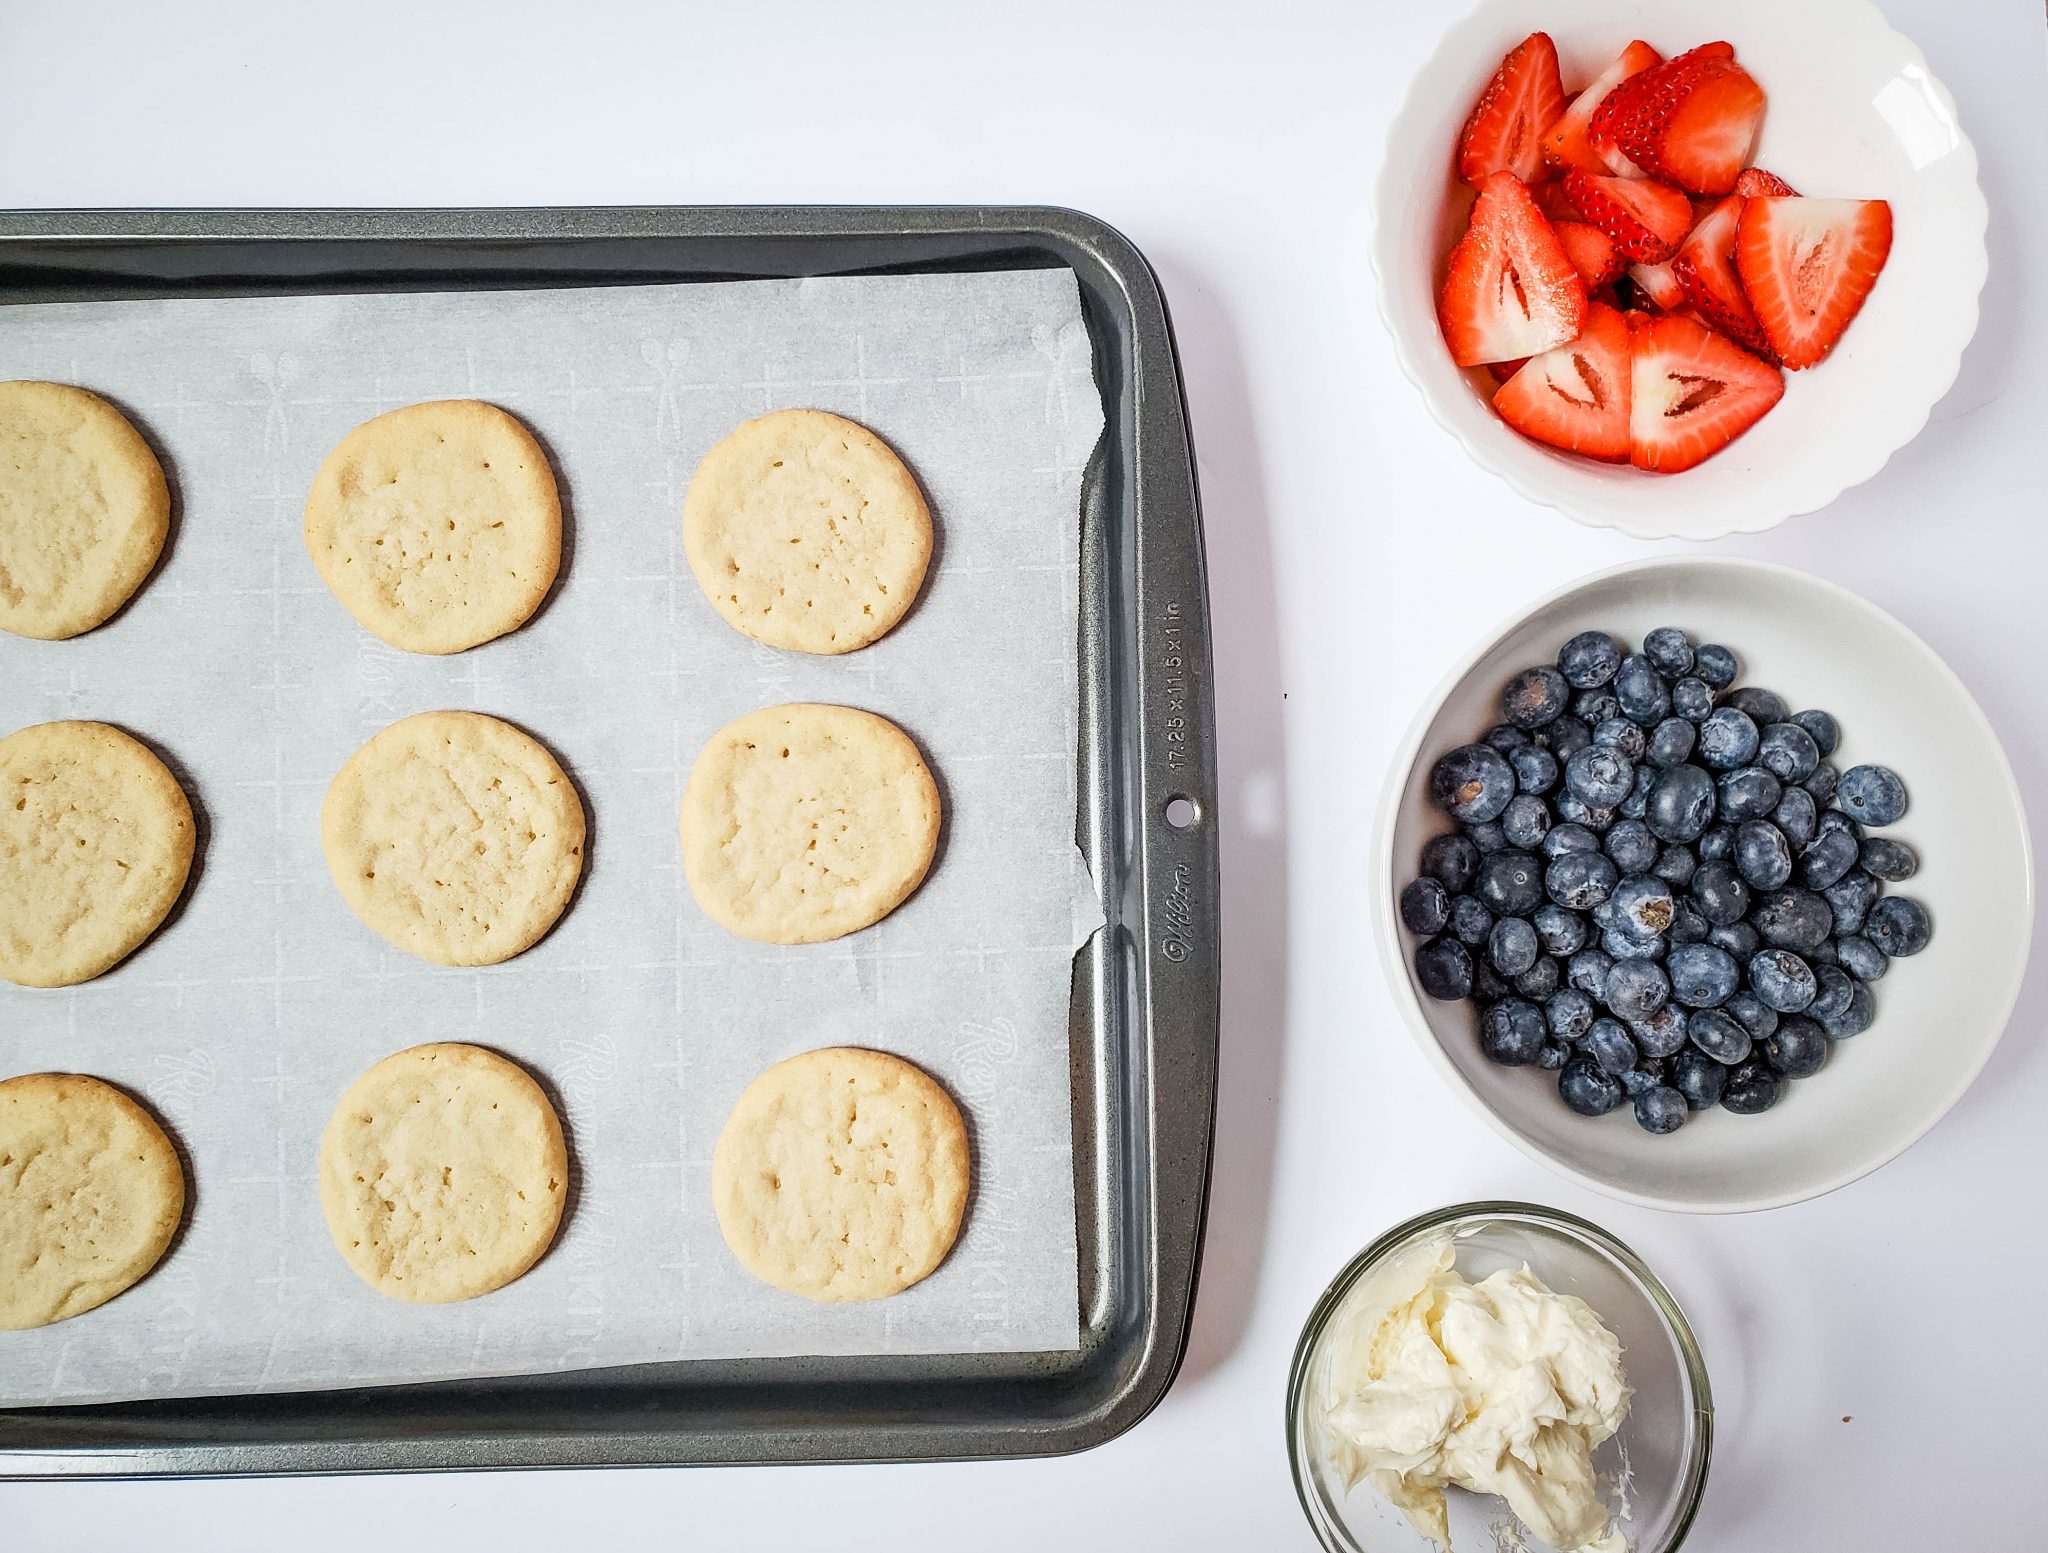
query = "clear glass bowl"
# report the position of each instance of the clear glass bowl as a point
(1656, 1465)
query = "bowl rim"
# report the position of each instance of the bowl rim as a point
(1455, 1216)
(1394, 961)
(1747, 515)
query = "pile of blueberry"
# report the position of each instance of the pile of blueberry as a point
(1660, 887)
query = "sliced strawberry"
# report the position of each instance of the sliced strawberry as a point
(1505, 132)
(1807, 266)
(1600, 131)
(1576, 397)
(1753, 183)
(1659, 284)
(1691, 393)
(1705, 267)
(1590, 250)
(1568, 144)
(1690, 120)
(1511, 290)
(1646, 220)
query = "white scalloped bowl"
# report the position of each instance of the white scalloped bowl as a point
(1854, 113)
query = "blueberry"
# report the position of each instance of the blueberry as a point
(1471, 922)
(1472, 783)
(1854, 1019)
(1643, 905)
(1504, 738)
(1571, 808)
(1899, 926)
(1835, 819)
(1425, 907)
(1525, 821)
(1798, 1048)
(1702, 976)
(1535, 769)
(1798, 816)
(1822, 728)
(1676, 865)
(1788, 752)
(1669, 652)
(1835, 988)
(1717, 843)
(1660, 1109)
(1783, 980)
(1698, 1077)
(1587, 970)
(1569, 1013)
(1553, 1055)
(1718, 1034)
(1594, 707)
(1488, 985)
(1488, 837)
(1559, 931)
(1589, 659)
(1626, 946)
(1539, 980)
(1688, 926)
(1632, 847)
(1645, 1075)
(1587, 1090)
(1661, 1033)
(1692, 700)
(1681, 804)
(1641, 690)
(1720, 893)
(1565, 737)
(1670, 743)
(1715, 664)
(1622, 736)
(1637, 804)
(1747, 794)
(1752, 1087)
(1822, 954)
(1611, 1046)
(1534, 697)
(1752, 1013)
(1512, 1032)
(1511, 883)
(1728, 739)
(1820, 787)
(1636, 989)
(1861, 958)
(1511, 947)
(1792, 918)
(1444, 970)
(1872, 794)
(1759, 706)
(1888, 859)
(1580, 880)
(1762, 855)
(1738, 938)
(1569, 838)
(1828, 860)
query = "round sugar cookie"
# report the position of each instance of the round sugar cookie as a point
(455, 836)
(95, 842)
(806, 531)
(442, 1174)
(84, 509)
(90, 1195)
(841, 1175)
(438, 526)
(803, 823)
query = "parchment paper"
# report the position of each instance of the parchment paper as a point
(244, 1020)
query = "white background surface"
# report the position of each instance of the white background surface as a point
(1234, 145)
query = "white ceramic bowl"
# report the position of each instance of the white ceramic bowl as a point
(1939, 1013)
(1854, 113)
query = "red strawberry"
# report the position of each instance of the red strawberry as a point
(1576, 397)
(1521, 102)
(1807, 266)
(1705, 267)
(1511, 290)
(1754, 183)
(1690, 120)
(1659, 284)
(1691, 393)
(1647, 220)
(1590, 250)
(1567, 144)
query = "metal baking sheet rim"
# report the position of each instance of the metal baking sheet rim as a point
(1146, 988)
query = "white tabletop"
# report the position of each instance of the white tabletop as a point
(1870, 1393)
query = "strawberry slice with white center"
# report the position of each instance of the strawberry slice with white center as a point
(1646, 220)
(1705, 267)
(1506, 128)
(1690, 120)
(1569, 144)
(1660, 284)
(1753, 183)
(1807, 266)
(1591, 251)
(1576, 397)
(1691, 393)
(1511, 290)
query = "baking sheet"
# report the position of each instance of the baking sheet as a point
(245, 1019)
